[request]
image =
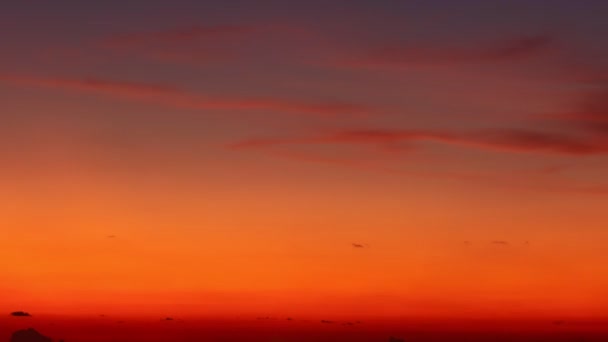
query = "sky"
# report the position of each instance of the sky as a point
(321, 159)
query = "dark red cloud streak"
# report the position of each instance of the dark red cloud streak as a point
(592, 114)
(509, 140)
(179, 98)
(202, 43)
(409, 55)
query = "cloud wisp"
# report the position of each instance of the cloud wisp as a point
(200, 44)
(508, 140)
(500, 243)
(416, 55)
(183, 99)
(591, 114)
(179, 35)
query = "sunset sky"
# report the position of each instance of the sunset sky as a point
(316, 158)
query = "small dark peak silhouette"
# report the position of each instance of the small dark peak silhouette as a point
(395, 339)
(324, 321)
(20, 314)
(168, 319)
(29, 335)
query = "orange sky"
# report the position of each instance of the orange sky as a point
(211, 164)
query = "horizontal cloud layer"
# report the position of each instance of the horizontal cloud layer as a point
(175, 97)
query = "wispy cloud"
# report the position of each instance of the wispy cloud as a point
(508, 140)
(178, 35)
(500, 243)
(196, 44)
(591, 114)
(179, 98)
(410, 55)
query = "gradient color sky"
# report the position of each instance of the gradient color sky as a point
(343, 158)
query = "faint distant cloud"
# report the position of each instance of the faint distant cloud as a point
(178, 35)
(179, 98)
(591, 113)
(498, 139)
(20, 314)
(427, 55)
(500, 243)
(324, 321)
(201, 44)
(358, 245)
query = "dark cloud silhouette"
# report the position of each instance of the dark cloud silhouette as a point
(20, 314)
(324, 321)
(29, 335)
(358, 245)
(168, 319)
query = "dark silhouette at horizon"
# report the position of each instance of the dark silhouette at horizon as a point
(29, 335)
